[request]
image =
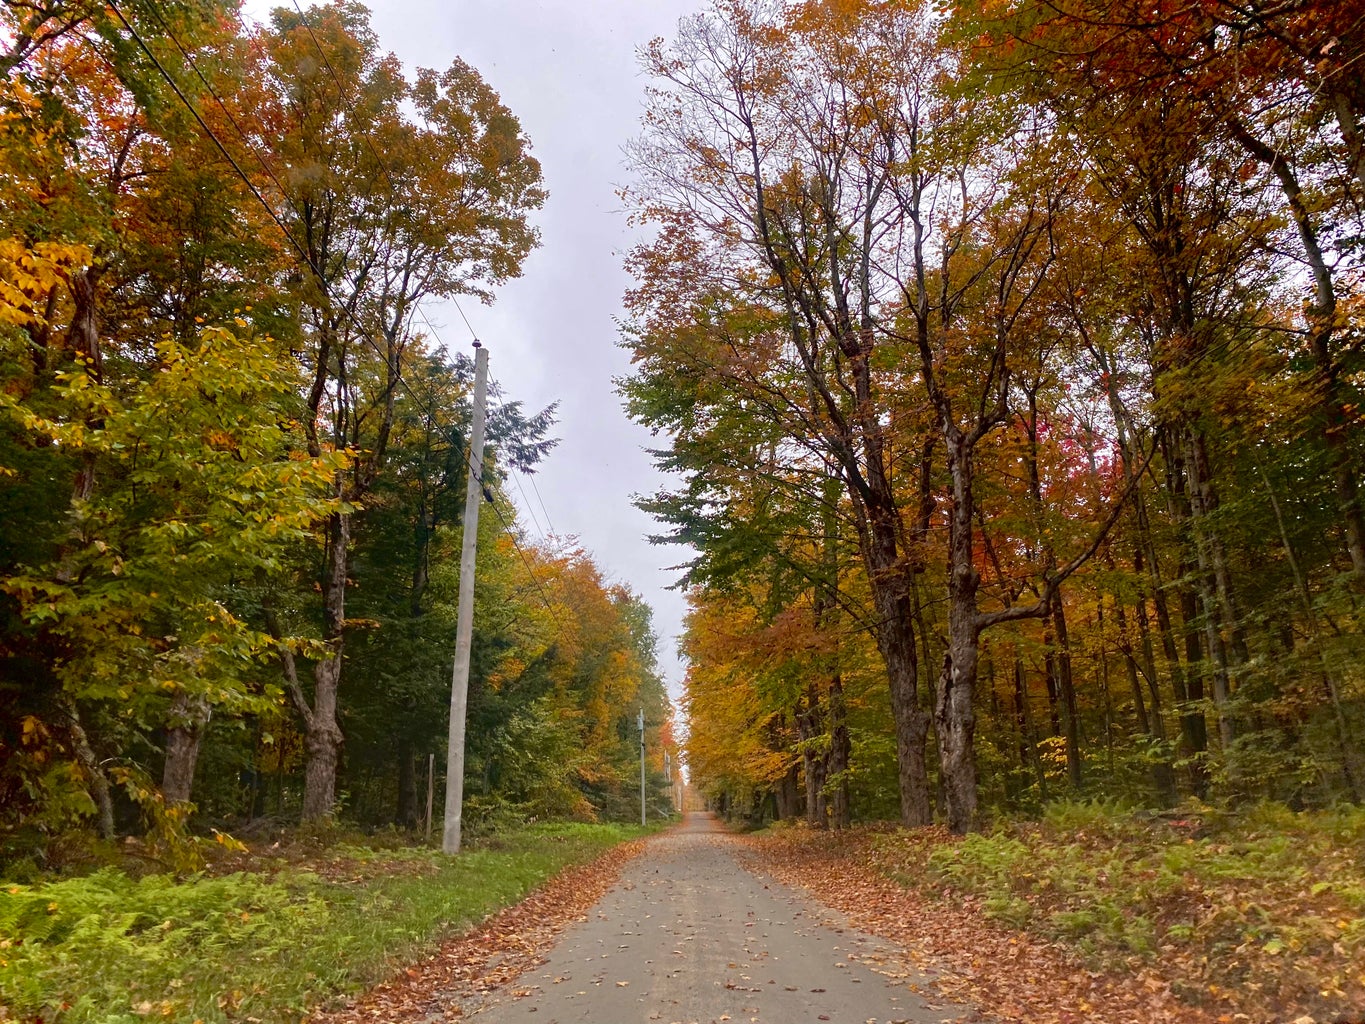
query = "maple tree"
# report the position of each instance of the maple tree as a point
(756, 194)
(1063, 295)
(820, 213)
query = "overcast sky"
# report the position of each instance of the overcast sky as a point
(567, 69)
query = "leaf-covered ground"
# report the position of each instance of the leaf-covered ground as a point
(1101, 917)
(443, 984)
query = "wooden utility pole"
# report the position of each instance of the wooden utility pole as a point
(431, 786)
(464, 622)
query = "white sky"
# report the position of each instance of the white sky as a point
(567, 70)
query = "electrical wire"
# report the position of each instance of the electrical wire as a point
(551, 525)
(516, 479)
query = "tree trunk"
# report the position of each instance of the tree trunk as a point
(895, 636)
(955, 720)
(1215, 596)
(1194, 656)
(1021, 715)
(1202, 480)
(1102, 664)
(85, 342)
(1163, 773)
(1130, 666)
(809, 728)
(185, 732)
(322, 742)
(889, 578)
(954, 715)
(786, 795)
(839, 748)
(96, 781)
(1054, 705)
(912, 731)
(1064, 679)
(1201, 661)
(322, 733)
(827, 614)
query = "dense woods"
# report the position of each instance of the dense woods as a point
(232, 447)
(1005, 361)
(1010, 355)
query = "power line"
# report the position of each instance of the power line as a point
(175, 87)
(270, 211)
(511, 533)
(532, 478)
(516, 479)
(193, 66)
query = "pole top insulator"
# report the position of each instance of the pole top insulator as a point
(478, 343)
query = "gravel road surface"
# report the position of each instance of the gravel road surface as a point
(688, 936)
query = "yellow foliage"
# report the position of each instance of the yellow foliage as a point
(28, 273)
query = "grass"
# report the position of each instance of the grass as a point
(1268, 903)
(262, 945)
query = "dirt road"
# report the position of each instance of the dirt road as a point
(690, 936)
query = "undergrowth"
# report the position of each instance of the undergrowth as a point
(1269, 903)
(262, 945)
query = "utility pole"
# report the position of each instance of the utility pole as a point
(464, 621)
(642, 766)
(431, 783)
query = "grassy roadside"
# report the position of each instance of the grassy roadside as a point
(1257, 916)
(262, 945)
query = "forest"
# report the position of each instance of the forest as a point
(233, 449)
(1004, 362)
(1010, 356)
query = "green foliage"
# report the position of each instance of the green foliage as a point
(268, 945)
(203, 486)
(154, 929)
(1093, 817)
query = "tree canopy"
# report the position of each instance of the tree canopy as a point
(231, 447)
(1024, 336)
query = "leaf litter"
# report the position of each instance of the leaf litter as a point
(1011, 975)
(946, 937)
(491, 956)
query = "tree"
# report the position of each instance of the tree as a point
(403, 648)
(766, 183)
(82, 161)
(384, 210)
